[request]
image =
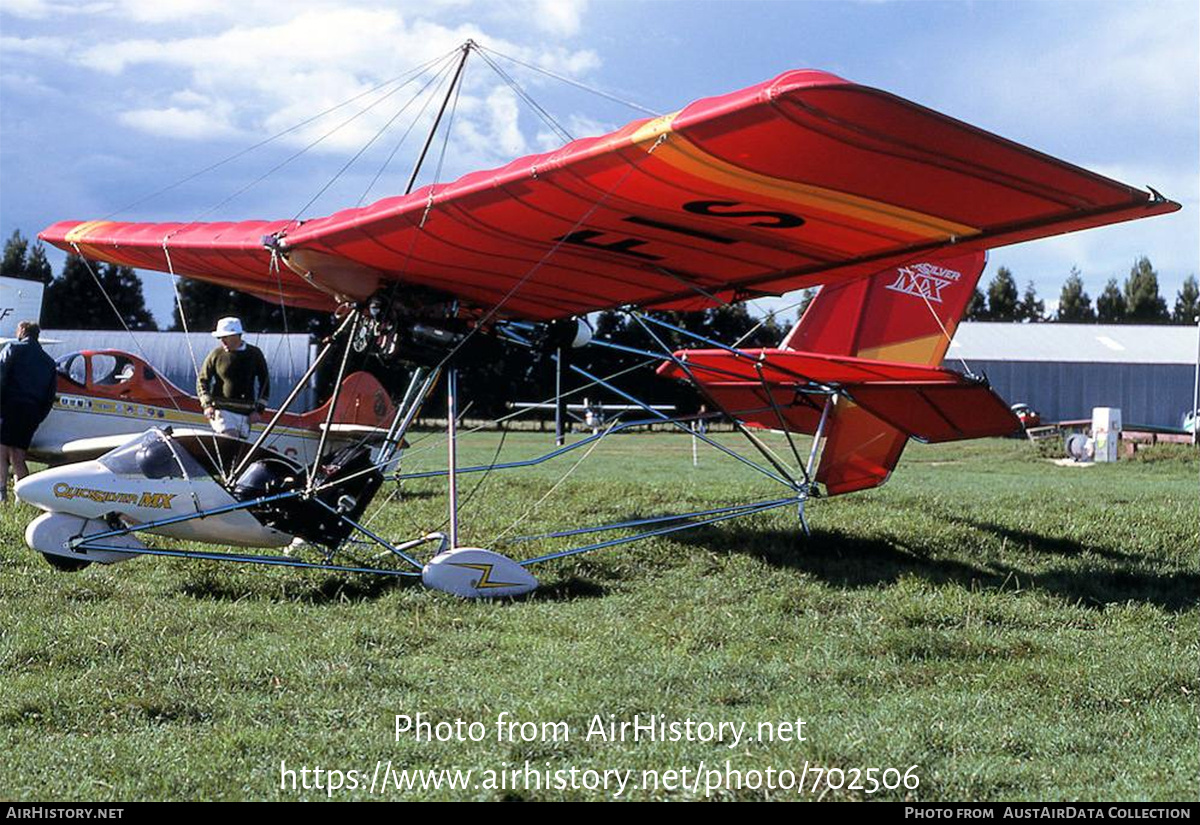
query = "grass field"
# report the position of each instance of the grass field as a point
(1013, 629)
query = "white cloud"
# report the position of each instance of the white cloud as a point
(274, 74)
(158, 11)
(49, 9)
(1132, 61)
(26, 84)
(181, 124)
(562, 17)
(502, 112)
(51, 47)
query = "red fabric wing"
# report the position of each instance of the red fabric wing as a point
(801, 180)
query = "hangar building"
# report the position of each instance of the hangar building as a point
(288, 356)
(1064, 370)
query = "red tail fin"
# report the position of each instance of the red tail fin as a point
(879, 341)
(363, 402)
(906, 314)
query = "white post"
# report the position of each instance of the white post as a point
(559, 430)
(452, 432)
(1196, 388)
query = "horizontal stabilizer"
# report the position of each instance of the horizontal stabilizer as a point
(939, 412)
(782, 389)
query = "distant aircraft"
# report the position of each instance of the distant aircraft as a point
(106, 396)
(20, 300)
(591, 414)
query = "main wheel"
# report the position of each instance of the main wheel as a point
(66, 565)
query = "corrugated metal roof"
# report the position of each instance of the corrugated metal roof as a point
(1074, 343)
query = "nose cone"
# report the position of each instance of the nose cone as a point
(73, 488)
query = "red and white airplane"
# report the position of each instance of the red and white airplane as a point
(802, 180)
(106, 396)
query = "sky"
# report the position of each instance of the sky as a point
(106, 102)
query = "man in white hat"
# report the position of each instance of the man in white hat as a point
(234, 383)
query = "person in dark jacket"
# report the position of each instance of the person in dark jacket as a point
(28, 382)
(234, 383)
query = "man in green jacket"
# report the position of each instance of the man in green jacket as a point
(234, 383)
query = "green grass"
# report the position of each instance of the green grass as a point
(1017, 630)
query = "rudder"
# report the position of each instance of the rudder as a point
(906, 314)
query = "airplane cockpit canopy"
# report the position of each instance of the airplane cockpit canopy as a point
(108, 368)
(74, 367)
(152, 455)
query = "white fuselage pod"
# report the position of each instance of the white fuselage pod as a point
(91, 490)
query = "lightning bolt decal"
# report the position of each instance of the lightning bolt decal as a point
(485, 582)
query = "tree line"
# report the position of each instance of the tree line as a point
(84, 295)
(1136, 302)
(79, 297)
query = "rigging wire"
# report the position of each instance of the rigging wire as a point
(191, 348)
(378, 133)
(564, 134)
(942, 327)
(441, 437)
(287, 161)
(484, 477)
(192, 176)
(457, 88)
(556, 484)
(145, 356)
(491, 313)
(387, 162)
(437, 170)
(577, 84)
(546, 117)
(504, 419)
(273, 266)
(770, 316)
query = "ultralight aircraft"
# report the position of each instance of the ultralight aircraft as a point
(801, 180)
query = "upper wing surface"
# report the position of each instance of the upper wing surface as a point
(801, 180)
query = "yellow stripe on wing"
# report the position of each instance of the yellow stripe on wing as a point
(685, 156)
(77, 237)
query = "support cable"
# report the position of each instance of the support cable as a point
(365, 146)
(145, 356)
(575, 83)
(546, 117)
(555, 486)
(783, 425)
(736, 423)
(192, 176)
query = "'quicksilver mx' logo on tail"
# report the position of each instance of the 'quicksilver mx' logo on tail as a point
(924, 280)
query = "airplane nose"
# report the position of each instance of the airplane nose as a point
(36, 488)
(50, 489)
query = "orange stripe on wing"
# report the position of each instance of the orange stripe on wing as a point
(686, 157)
(77, 237)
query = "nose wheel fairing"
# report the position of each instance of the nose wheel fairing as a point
(58, 537)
